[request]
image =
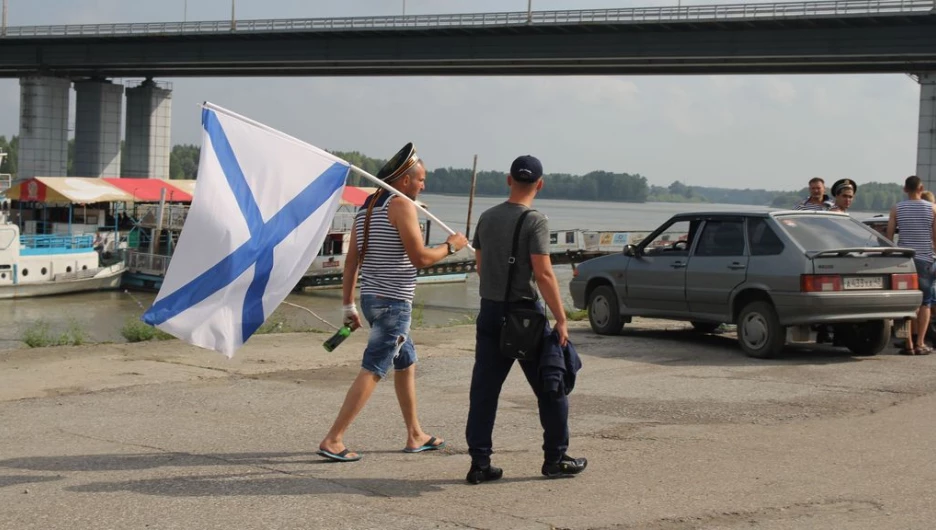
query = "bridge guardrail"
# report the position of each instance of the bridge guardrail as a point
(635, 15)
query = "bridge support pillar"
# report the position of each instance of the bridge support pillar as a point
(43, 131)
(926, 141)
(149, 120)
(98, 115)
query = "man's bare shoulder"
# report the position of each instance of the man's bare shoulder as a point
(400, 206)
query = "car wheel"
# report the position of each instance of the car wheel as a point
(867, 338)
(759, 331)
(705, 327)
(604, 314)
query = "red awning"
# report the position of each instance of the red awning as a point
(148, 190)
(354, 196)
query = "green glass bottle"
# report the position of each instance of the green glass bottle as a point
(337, 338)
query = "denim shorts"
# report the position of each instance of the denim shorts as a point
(389, 341)
(925, 278)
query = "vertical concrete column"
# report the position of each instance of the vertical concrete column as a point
(43, 132)
(98, 116)
(926, 141)
(149, 120)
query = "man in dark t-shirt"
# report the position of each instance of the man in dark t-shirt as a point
(492, 242)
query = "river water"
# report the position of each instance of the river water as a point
(101, 315)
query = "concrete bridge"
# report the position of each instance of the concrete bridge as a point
(846, 36)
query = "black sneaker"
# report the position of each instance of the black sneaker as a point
(565, 467)
(478, 474)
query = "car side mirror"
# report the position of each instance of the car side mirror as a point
(631, 250)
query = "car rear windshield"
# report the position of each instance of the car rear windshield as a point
(828, 232)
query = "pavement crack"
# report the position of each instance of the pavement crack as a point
(190, 365)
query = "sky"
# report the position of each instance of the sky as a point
(742, 131)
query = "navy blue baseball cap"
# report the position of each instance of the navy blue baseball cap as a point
(526, 168)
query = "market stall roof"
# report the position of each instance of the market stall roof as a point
(353, 196)
(74, 190)
(186, 185)
(370, 190)
(148, 190)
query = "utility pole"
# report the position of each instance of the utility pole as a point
(529, 11)
(474, 176)
(3, 24)
(185, 11)
(233, 18)
(404, 8)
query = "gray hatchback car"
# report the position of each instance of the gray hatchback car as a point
(781, 276)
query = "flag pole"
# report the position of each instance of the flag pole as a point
(354, 168)
(395, 191)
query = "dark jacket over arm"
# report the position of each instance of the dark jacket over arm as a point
(558, 366)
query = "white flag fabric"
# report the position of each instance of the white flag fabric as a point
(263, 205)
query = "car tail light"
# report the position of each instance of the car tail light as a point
(815, 283)
(574, 271)
(905, 282)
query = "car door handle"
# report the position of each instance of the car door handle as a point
(736, 266)
(678, 265)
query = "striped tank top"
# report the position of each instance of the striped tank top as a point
(386, 271)
(915, 223)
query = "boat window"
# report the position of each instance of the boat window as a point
(25, 272)
(44, 271)
(570, 237)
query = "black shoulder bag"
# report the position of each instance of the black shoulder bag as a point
(522, 329)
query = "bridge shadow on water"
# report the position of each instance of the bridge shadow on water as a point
(686, 347)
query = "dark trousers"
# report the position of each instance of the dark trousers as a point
(487, 378)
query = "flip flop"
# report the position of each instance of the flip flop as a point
(428, 446)
(338, 457)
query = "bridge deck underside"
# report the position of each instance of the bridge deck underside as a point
(824, 44)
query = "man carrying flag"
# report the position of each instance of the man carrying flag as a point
(387, 247)
(264, 202)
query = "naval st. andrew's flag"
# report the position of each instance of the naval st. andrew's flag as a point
(263, 205)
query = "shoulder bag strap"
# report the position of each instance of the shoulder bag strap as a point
(366, 228)
(512, 260)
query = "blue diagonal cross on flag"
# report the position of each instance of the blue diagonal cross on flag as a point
(263, 205)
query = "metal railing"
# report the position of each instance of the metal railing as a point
(84, 241)
(635, 15)
(155, 264)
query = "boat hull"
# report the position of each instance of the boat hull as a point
(106, 279)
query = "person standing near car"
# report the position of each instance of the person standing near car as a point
(843, 194)
(493, 241)
(817, 200)
(916, 220)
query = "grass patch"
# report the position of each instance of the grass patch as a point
(135, 330)
(575, 315)
(464, 320)
(419, 317)
(41, 335)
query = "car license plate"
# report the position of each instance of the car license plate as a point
(863, 282)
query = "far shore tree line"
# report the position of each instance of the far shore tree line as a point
(592, 186)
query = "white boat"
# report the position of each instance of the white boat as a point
(43, 265)
(328, 266)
